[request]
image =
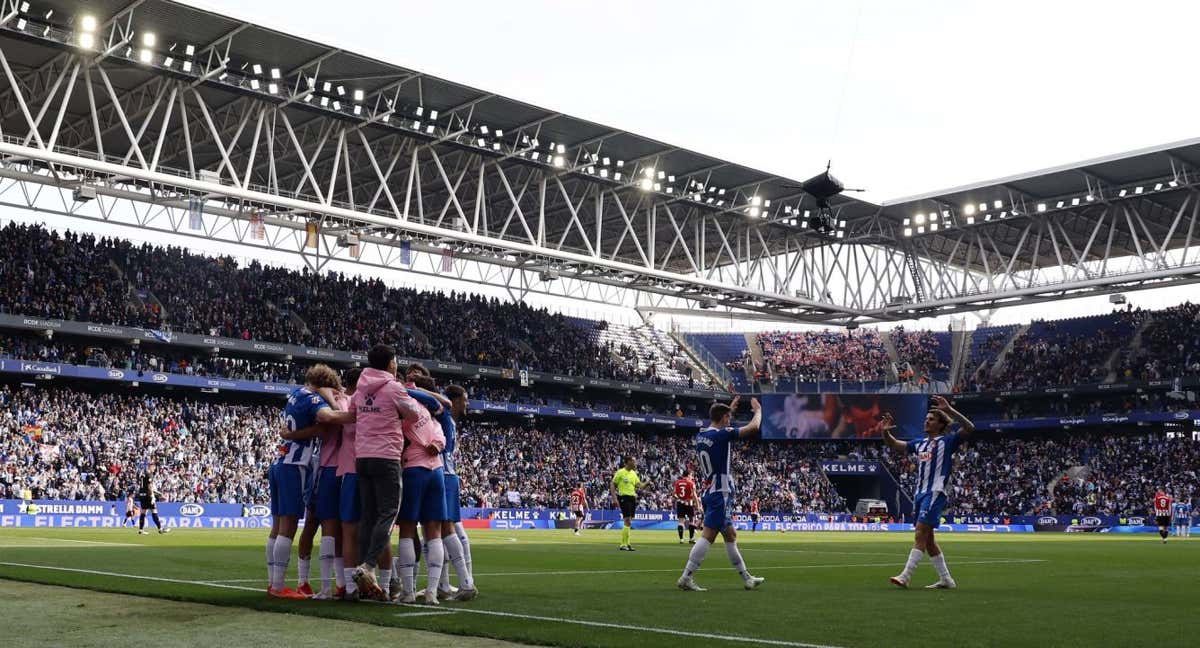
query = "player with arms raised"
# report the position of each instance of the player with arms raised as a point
(935, 457)
(578, 502)
(687, 502)
(716, 468)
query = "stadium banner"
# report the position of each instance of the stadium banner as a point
(1128, 418)
(126, 333)
(840, 416)
(96, 514)
(797, 526)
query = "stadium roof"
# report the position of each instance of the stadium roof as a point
(275, 124)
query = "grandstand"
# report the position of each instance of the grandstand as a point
(163, 125)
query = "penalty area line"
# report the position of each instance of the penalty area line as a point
(462, 610)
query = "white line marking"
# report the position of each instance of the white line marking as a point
(768, 567)
(4, 543)
(623, 626)
(514, 615)
(405, 615)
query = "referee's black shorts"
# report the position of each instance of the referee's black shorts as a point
(146, 503)
(1163, 520)
(684, 511)
(628, 505)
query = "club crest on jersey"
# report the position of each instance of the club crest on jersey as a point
(925, 455)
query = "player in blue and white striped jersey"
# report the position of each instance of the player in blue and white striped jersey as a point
(715, 458)
(935, 462)
(1182, 513)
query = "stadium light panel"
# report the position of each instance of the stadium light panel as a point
(648, 172)
(257, 68)
(433, 115)
(933, 216)
(920, 230)
(325, 104)
(145, 56)
(190, 50)
(803, 224)
(970, 220)
(841, 234)
(754, 211)
(670, 178)
(968, 209)
(254, 84)
(87, 23)
(24, 7)
(341, 90)
(499, 133)
(49, 13)
(1137, 190)
(1074, 202)
(1122, 193)
(919, 219)
(357, 108)
(187, 67)
(907, 222)
(720, 203)
(997, 204)
(933, 227)
(1060, 204)
(662, 175)
(982, 207)
(1158, 187)
(617, 176)
(429, 129)
(1003, 214)
(86, 40)
(620, 163)
(560, 161)
(987, 217)
(1090, 197)
(908, 231)
(149, 39)
(496, 147)
(169, 61)
(720, 192)
(843, 224)
(606, 161)
(1172, 184)
(603, 173)
(273, 88)
(766, 203)
(670, 190)
(755, 200)
(658, 186)
(646, 184)
(21, 24)
(1041, 207)
(276, 74)
(337, 105)
(562, 148)
(479, 141)
(419, 111)
(482, 129)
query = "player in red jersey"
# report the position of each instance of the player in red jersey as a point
(1162, 513)
(686, 505)
(753, 515)
(578, 499)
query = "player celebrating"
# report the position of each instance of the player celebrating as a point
(148, 501)
(1162, 513)
(578, 502)
(423, 501)
(624, 488)
(293, 472)
(686, 504)
(935, 454)
(716, 466)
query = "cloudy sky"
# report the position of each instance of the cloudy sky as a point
(903, 96)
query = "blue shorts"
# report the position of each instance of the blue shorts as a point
(348, 505)
(424, 496)
(290, 486)
(716, 510)
(928, 509)
(453, 511)
(326, 502)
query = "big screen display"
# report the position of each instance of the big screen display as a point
(841, 416)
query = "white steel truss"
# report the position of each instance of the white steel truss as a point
(259, 166)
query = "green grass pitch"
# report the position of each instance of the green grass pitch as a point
(822, 589)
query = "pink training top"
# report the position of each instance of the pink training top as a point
(331, 435)
(346, 456)
(381, 404)
(420, 433)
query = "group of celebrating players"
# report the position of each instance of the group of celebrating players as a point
(379, 452)
(358, 459)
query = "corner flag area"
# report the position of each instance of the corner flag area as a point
(1051, 589)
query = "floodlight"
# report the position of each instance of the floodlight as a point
(606, 161)
(662, 175)
(168, 62)
(670, 190)
(933, 227)
(1041, 207)
(933, 216)
(1122, 193)
(920, 230)
(720, 192)
(658, 186)
(1137, 190)
(24, 7)
(337, 105)
(433, 114)
(648, 172)
(145, 56)
(21, 24)
(617, 176)
(257, 68)
(325, 103)
(1172, 184)
(559, 161)
(1158, 187)
(603, 173)
(275, 74)
(499, 133)
(254, 84)
(88, 23)
(429, 129)
(907, 222)
(1090, 197)
(646, 184)
(341, 90)
(908, 231)
(149, 39)
(755, 200)
(968, 209)
(187, 67)
(970, 220)
(1060, 204)
(754, 211)
(1074, 202)
(86, 40)
(670, 178)
(190, 50)
(919, 219)
(620, 163)
(982, 207)
(562, 148)
(998, 204)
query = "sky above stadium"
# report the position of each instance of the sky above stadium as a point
(905, 97)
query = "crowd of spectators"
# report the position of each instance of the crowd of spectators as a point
(60, 443)
(67, 444)
(503, 466)
(80, 277)
(917, 355)
(810, 356)
(1170, 346)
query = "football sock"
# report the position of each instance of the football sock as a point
(385, 581)
(435, 556)
(141, 522)
(696, 556)
(303, 569)
(283, 555)
(679, 530)
(157, 523)
(348, 578)
(325, 555)
(625, 536)
(461, 532)
(406, 559)
(270, 560)
(339, 571)
(939, 563)
(735, 559)
(914, 559)
(454, 552)
(691, 532)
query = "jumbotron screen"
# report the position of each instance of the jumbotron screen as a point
(841, 416)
